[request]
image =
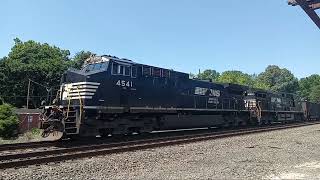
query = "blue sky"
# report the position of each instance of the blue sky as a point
(184, 35)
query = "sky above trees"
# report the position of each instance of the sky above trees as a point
(184, 35)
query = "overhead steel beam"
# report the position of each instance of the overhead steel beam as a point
(315, 6)
(309, 6)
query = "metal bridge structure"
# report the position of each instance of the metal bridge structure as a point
(309, 6)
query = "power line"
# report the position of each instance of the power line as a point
(47, 87)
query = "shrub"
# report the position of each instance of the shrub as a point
(8, 121)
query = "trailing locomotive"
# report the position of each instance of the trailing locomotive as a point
(112, 96)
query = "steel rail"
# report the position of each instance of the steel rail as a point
(56, 155)
(16, 146)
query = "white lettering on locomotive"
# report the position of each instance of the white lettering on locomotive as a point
(207, 92)
(123, 83)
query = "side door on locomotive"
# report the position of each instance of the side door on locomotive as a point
(122, 85)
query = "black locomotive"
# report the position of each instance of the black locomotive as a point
(111, 96)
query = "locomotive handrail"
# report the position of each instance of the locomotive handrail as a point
(81, 106)
(69, 102)
(259, 110)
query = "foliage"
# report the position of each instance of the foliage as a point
(209, 74)
(260, 85)
(79, 59)
(34, 133)
(306, 85)
(277, 79)
(2, 71)
(8, 121)
(236, 77)
(315, 94)
(31, 60)
(273, 78)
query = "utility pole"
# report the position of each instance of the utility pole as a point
(28, 94)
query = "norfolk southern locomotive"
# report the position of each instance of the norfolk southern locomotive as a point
(112, 96)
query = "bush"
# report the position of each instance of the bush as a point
(9, 122)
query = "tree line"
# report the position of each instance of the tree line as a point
(40, 62)
(44, 64)
(274, 79)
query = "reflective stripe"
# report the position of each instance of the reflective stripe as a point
(81, 97)
(102, 107)
(82, 86)
(84, 83)
(81, 94)
(80, 90)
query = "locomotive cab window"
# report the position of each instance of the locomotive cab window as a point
(157, 72)
(165, 73)
(127, 71)
(114, 68)
(134, 71)
(146, 71)
(95, 67)
(121, 69)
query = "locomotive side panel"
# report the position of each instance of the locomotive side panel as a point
(311, 110)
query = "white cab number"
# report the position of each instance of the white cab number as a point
(124, 83)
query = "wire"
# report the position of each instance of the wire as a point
(47, 87)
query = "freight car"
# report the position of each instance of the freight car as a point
(112, 96)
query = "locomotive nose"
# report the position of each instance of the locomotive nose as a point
(80, 90)
(72, 76)
(77, 86)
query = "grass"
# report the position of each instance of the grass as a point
(30, 136)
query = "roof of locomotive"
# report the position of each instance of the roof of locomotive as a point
(106, 58)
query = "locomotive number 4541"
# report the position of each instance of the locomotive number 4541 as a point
(124, 83)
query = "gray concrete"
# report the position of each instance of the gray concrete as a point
(285, 154)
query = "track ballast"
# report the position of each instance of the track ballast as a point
(63, 153)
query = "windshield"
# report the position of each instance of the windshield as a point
(96, 67)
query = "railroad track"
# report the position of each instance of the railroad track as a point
(17, 146)
(67, 153)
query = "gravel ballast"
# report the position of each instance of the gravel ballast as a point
(285, 154)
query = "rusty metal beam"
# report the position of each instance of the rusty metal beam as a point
(309, 2)
(309, 6)
(315, 6)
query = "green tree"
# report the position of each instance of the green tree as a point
(277, 79)
(79, 59)
(315, 94)
(2, 73)
(8, 121)
(31, 60)
(306, 85)
(209, 74)
(236, 77)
